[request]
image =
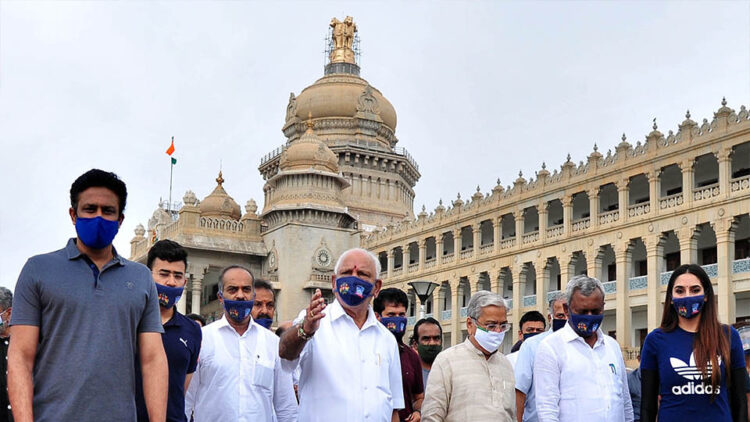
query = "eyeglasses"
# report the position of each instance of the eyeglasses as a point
(498, 328)
(178, 276)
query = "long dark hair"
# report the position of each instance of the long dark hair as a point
(710, 341)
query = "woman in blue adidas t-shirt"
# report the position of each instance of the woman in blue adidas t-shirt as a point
(677, 359)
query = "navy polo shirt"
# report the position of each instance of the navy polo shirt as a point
(182, 344)
(89, 321)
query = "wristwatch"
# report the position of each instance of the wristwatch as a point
(301, 332)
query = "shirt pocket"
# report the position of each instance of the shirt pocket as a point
(263, 375)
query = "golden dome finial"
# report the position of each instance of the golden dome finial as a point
(219, 179)
(342, 40)
(309, 122)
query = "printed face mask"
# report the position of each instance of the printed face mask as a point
(237, 310)
(353, 290)
(97, 232)
(688, 307)
(489, 340)
(428, 352)
(558, 323)
(264, 322)
(585, 325)
(396, 325)
(168, 296)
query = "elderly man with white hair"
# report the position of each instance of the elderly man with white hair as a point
(579, 373)
(473, 381)
(349, 362)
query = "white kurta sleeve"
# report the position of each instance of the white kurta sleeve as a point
(284, 401)
(547, 384)
(437, 393)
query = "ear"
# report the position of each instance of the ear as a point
(72, 213)
(333, 282)
(566, 309)
(378, 316)
(122, 217)
(378, 286)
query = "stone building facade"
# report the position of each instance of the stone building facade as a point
(628, 218)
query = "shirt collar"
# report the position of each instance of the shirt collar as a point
(336, 311)
(474, 348)
(568, 334)
(224, 324)
(74, 253)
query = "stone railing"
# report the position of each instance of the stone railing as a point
(581, 224)
(397, 271)
(740, 183)
(430, 263)
(664, 277)
(384, 274)
(551, 293)
(428, 315)
(508, 243)
(741, 266)
(706, 192)
(509, 302)
(711, 269)
(464, 312)
(631, 353)
(411, 320)
(610, 287)
(221, 224)
(485, 249)
(530, 237)
(555, 231)
(637, 283)
(413, 267)
(529, 300)
(671, 201)
(609, 217)
(467, 253)
(448, 258)
(446, 314)
(639, 209)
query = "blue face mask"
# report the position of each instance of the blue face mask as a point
(264, 322)
(168, 296)
(527, 336)
(353, 290)
(558, 323)
(237, 310)
(585, 325)
(688, 307)
(97, 232)
(396, 325)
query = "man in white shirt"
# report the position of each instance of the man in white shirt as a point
(579, 373)
(350, 365)
(239, 375)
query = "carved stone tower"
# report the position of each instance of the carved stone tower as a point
(357, 124)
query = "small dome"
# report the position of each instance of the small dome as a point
(219, 203)
(340, 95)
(309, 152)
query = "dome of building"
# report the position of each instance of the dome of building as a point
(342, 95)
(309, 152)
(219, 203)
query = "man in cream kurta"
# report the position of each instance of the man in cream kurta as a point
(468, 382)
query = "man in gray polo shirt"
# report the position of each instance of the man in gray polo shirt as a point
(80, 314)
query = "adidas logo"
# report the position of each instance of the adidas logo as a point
(692, 373)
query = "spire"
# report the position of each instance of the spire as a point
(342, 47)
(220, 180)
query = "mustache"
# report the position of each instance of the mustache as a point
(260, 316)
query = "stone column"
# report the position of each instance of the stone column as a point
(567, 203)
(455, 314)
(405, 256)
(565, 270)
(594, 206)
(594, 263)
(517, 300)
(654, 192)
(519, 218)
(688, 245)
(476, 230)
(496, 233)
(622, 199)
(542, 285)
(724, 229)
(543, 210)
(654, 260)
(496, 284)
(422, 243)
(623, 313)
(456, 245)
(196, 285)
(391, 253)
(438, 250)
(724, 157)
(687, 181)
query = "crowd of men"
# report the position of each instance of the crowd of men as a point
(97, 337)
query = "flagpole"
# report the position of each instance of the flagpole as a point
(171, 170)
